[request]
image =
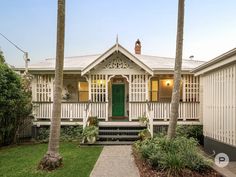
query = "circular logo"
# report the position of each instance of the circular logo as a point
(222, 160)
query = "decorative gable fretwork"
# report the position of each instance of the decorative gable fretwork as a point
(117, 63)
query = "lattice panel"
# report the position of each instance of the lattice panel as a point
(44, 88)
(98, 88)
(190, 88)
(138, 88)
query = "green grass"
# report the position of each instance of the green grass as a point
(21, 161)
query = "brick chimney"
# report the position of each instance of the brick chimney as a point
(137, 47)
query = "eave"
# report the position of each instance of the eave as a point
(217, 62)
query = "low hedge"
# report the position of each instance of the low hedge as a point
(68, 133)
(191, 131)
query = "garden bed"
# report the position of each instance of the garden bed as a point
(146, 170)
(161, 157)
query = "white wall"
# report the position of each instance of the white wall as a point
(219, 104)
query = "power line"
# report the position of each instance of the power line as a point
(25, 53)
(13, 43)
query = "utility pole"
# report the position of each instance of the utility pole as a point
(25, 56)
(27, 60)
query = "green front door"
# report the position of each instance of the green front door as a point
(118, 100)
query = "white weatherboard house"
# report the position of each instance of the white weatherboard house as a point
(218, 82)
(115, 85)
(119, 86)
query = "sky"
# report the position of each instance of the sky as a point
(92, 26)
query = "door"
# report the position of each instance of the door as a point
(118, 99)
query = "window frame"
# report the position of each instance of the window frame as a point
(83, 91)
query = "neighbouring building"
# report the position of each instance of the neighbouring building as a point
(218, 82)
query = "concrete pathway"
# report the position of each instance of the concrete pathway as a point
(115, 161)
(228, 171)
(232, 167)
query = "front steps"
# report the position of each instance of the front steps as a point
(118, 134)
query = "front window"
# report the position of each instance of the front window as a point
(83, 91)
(153, 90)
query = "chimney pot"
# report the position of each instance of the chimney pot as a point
(137, 47)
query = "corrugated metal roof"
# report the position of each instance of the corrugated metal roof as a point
(70, 63)
(80, 62)
(157, 63)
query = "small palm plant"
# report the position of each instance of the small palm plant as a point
(90, 134)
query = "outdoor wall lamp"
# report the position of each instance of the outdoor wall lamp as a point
(167, 83)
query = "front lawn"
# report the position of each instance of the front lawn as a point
(21, 161)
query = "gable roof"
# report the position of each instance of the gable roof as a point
(113, 49)
(85, 63)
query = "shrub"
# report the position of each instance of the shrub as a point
(191, 131)
(172, 155)
(15, 105)
(93, 121)
(68, 133)
(71, 133)
(43, 134)
(144, 134)
(90, 131)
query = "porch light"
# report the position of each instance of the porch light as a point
(167, 83)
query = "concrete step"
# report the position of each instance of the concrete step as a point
(114, 143)
(110, 133)
(119, 131)
(120, 124)
(118, 136)
(108, 143)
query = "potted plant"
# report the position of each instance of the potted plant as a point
(143, 120)
(144, 134)
(90, 134)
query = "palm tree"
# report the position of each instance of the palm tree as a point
(52, 158)
(177, 73)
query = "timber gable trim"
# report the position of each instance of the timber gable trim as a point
(117, 48)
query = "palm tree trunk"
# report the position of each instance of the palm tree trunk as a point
(52, 159)
(177, 73)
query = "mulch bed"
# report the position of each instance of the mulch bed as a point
(146, 170)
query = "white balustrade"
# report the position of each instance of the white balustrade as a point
(69, 110)
(137, 109)
(161, 111)
(187, 110)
